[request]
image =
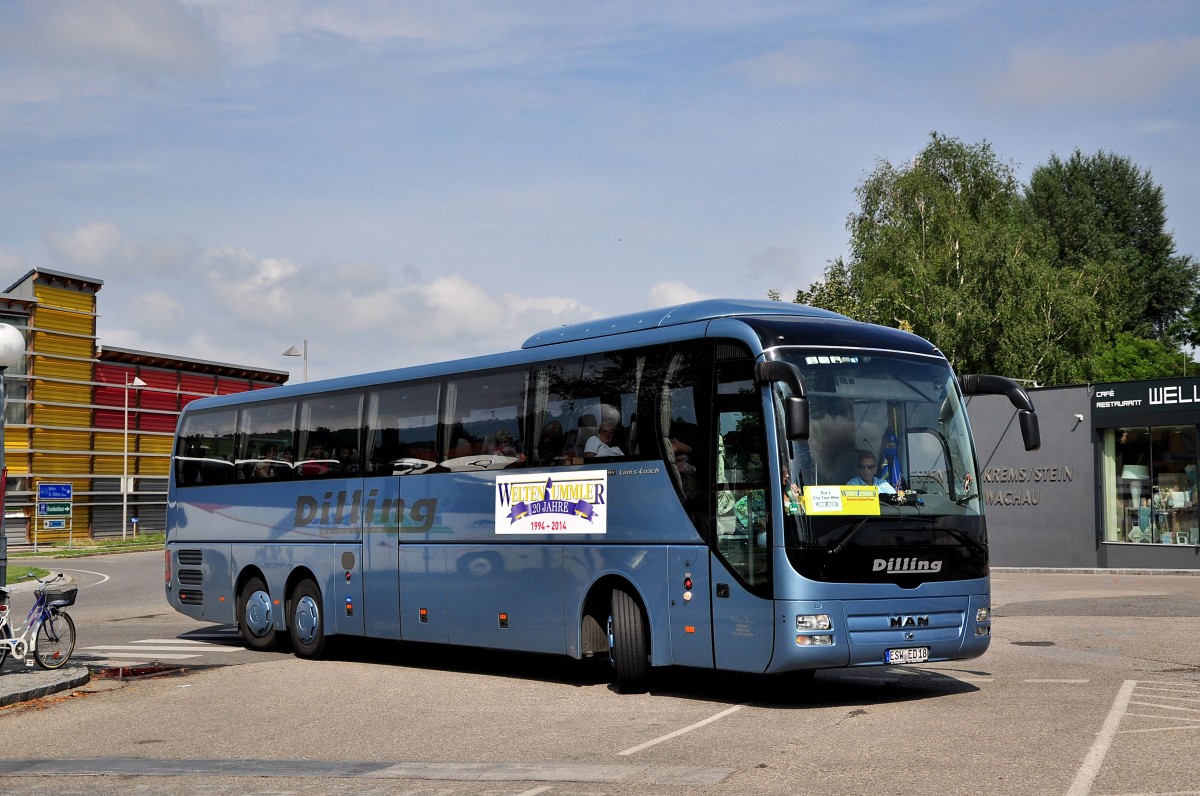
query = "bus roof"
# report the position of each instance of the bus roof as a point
(706, 310)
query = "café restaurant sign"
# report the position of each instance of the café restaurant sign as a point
(1145, 398)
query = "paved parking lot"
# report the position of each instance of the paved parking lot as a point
(1092, 686)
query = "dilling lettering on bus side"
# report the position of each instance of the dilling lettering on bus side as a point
(336, 509)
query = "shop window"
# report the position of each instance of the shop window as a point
(1150, 485)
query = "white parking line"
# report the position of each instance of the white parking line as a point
(148, 657)
(1082, 786)
(103, 578)
(1065, 682)
(677, 733)
(162, 648)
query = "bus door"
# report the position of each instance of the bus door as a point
(742, 606)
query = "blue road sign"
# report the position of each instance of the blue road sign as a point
(55, 491)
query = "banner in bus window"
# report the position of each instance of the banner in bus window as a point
(841, 500)
(561, 503)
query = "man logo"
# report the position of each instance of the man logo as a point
(908, 621)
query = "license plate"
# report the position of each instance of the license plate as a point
(909, 655)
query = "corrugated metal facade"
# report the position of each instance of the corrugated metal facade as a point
(74, 394)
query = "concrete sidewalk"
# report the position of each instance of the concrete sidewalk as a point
(20, 683)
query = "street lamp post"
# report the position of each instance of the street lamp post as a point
(295, 352)
(12, 350)
(135, 383)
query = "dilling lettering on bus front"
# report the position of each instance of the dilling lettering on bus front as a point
(336, 509)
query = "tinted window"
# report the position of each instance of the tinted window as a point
(204, 450)
(330, 436)
(403, 429)
(483, 422)
(266, 452)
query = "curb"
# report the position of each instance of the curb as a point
(17, 685)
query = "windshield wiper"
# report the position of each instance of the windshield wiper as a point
(846, 536)
(965, 539)
(962, 501)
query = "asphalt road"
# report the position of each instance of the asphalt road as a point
(1092, 686)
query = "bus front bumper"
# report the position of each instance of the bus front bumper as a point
(835, 633)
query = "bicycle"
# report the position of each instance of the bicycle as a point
(48, 632)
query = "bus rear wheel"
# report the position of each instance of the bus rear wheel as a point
(306, 626)
(627, 644)
(256, 617)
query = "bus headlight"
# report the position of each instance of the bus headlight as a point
(814, 641)
(813, 622)
(982, 614)
(983, 630)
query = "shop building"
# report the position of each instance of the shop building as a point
(84, 417)
(1113, 485)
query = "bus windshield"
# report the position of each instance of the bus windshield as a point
(889, 441)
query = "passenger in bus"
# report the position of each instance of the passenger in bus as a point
(604, 443)
(868, 465)
(316, 461)
(550, 447)
(503, 444)
(585, 432)
(264, 470)
(347, 460)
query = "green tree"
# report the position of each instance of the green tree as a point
(1133, 358)
(835, 292)
(1102, 209)
(945, 246)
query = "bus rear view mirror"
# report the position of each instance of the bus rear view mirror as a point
(999, 385)
(795, 408)
(1030, 433)
(795, 415)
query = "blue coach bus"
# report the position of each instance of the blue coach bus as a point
(677, 487)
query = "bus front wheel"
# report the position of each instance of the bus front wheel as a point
(256, 617)
(306, 627)
(627, 644)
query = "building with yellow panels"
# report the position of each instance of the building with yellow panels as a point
(81, 418)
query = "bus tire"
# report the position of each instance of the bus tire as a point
(306, 625)
(256, 615)
(628, 639)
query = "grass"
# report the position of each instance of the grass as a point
(18, 573)
(94, 547)
(87, 547)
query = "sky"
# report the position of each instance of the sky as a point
(399, 182)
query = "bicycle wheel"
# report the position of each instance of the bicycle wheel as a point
(5, 633)
(55, 640)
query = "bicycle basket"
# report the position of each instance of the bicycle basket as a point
(63, 597)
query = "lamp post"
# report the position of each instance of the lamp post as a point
(135, 383)
(12, 350)
(295, 352)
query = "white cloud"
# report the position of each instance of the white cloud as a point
(227, 304)
(1136, 72)
(777, 266)
(99, 247)
(151, 39)
(668, 293)
(813, 62)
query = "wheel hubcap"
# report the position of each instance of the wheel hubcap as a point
(258, 614)
(308, 619)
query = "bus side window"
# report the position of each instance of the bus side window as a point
(682, 413)
(204, 453)
(483, 422)
(266, 433)
(402, 429)
(555, 413)
(330, 436)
